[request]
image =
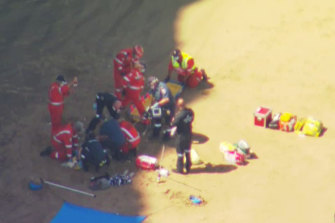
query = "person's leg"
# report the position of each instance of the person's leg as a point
(85, 164)
(138, 103)
(186, 145)
(180, 156)
(56, 113)
(117, 83)
(92, 125)
(188, 163)
(59, 155)
(194, 79)
(181, 78)
(126, 99)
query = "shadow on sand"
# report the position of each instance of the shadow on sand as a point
(198, 138)
(210, 168)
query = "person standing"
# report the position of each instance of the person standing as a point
(188, 74)
(57, 92)
(124, 61)
(102, 100)
(183, 123)
(133, 85)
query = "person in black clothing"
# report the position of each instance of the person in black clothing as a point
(92, 153)
(103, 100)
(183, 122)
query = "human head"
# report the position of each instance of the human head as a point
(152, 82)
(177, 55)
(60, 78)
(180, 103)
(78, 127)
(138, 51)
(117, 105)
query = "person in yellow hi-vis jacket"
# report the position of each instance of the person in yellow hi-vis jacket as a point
(188, 74)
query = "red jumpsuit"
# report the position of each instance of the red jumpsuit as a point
(64, 140)
(187, 72)
(122, 65)
(133, 86)
(131, 134)
(57, 92)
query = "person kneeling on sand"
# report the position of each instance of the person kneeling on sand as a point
(92, 153)
(133, 139)
(121, 138)
(112, 138)
(65, 143)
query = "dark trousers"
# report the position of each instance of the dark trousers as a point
(114, 147)
(184, 147)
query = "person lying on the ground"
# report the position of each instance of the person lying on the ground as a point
(65, 142)
(102, 100)
(188, 74)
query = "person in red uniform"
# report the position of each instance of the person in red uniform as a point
(132, 136)
(133, 85)
(124, 61)
(188, 74)
(64, 141)
(57, 92)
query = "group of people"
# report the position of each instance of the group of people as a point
(117, 137)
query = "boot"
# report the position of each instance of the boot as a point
(204, 75)
(180, 164)
(46, 152)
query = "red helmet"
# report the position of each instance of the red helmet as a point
(138, 51)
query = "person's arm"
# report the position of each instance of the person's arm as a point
(162, 102)
(74, 82)
(179, 116)
(68, 147)
(164, 98)
(190, 65)
(67, 87)
(126, 80)
(119, 60)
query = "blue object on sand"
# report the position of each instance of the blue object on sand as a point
(70, 213)
(195, 200)
(34, 186)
